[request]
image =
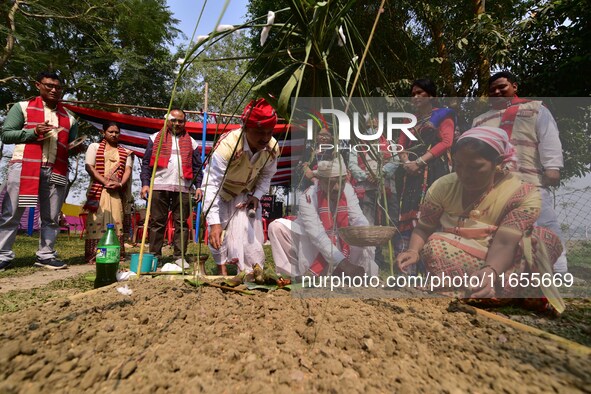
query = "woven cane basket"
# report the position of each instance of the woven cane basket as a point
(367, 235)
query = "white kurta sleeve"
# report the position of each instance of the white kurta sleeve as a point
(313, 228)
(549, 145)
(90, 157)
(129, 160)
(359, 174)
(356, 216)
(264, 181)
(212, 182)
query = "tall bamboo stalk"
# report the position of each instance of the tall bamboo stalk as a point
(200, 203)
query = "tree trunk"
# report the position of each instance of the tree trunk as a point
(483, 62)
(446, 66)
(71, 182)
(10, 39)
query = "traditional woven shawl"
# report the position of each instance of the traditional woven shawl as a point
(326, 217)
(185, 148)
(33, 154)
(93, 195)
(508, 118)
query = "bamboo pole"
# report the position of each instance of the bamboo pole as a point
(576, 347)
(165, 273)
(200, 203)
(143, 107)
(149, 203)
(365, 52)
(102, 289)
(227, 288)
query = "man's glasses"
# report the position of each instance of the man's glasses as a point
(51, 86)
(176, 121)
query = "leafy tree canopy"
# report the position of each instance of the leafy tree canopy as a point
(223, 65)
(457, 44)
(112, 51)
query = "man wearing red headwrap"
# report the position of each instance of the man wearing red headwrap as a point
(238, 174)
(259, 115)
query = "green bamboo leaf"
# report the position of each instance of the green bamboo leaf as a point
(194, 283)
(273, 77)
(296, 78)
(299, 12)
(254, 286)
(285, 95)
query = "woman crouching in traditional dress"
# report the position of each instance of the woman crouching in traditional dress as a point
(109, 166)
(479, 222)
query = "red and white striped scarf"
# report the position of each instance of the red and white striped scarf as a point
(326, 217)
(93, 196)
(185, 152)
(33, 154)
(510, 114)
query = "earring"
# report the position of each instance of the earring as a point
(499, 168)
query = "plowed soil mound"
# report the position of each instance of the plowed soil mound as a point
(169, 337)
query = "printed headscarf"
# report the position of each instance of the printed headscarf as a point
(497, 138)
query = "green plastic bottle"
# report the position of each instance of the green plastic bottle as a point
(107, 258)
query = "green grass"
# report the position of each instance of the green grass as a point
(579, 259)
(70, 250)
(16, 300)
(573, 324)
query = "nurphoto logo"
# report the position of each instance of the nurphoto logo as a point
(344, 127)
(392, 122)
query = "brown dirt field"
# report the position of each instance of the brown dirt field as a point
(170, 337)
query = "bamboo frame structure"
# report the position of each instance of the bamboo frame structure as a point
(115, 105)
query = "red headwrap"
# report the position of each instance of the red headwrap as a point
(259, 114)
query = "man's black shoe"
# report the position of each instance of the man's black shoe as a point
(4, 265)
(52, 264)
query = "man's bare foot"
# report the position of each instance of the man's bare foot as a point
(222, 270)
